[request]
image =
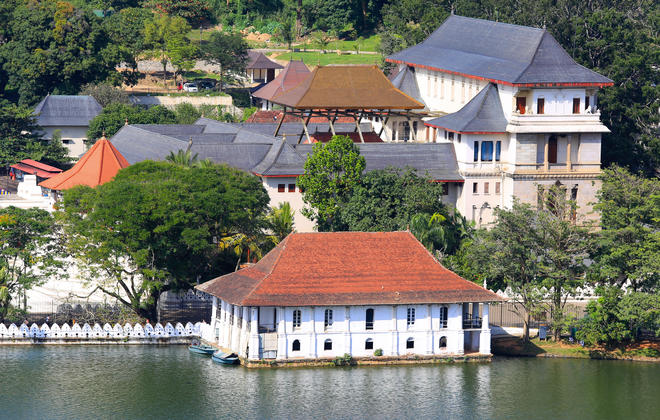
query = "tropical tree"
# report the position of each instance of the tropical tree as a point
(280, 222)
(29, 252)
(331, 173)
(116, 115)
(229, 52)
(628, 247)
(182, 158)
(156, 227)
(105, 94)
(166, 36)
(21, 138)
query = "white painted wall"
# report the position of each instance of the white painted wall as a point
(72, 137)
(348, 332)
(271, 184)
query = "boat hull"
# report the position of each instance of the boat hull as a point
(225, 359)
(205, 350)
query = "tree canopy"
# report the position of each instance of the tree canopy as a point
(114, 116)
(52, 47)
(156, 227)
(229, 51)
(29, 252)
(20, 138)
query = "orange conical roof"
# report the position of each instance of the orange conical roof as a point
(98, 166)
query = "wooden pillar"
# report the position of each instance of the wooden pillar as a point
(279, 125)
(357, 127)
(569, 163)
(546, 150)
(305, 132)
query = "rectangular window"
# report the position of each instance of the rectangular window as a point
(435, 86)
(486, 151)
(476, 151)
(586, 102)
(497, 188)
(451, 136)
(540, 106)
(369, 319)
(296, 318)
(428, 85)
(411, 316)
(498, 151)
(459, 137)
(281, 187)
(445, 188)
(446, 134)
(443, 316)
(486, 188)
(328, 318)
(475, 188)
(369, 344)
(576, 105)
(521, 104)
(442, 87)
(292, 187)
(452, 89)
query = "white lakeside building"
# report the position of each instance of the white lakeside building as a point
(314, 297)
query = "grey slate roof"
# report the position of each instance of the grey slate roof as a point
(406, 82)
(499, 52)
(172, 129)
(437, 160)
(483, 114)
(67, 110)
(280, 157)
(257, 60)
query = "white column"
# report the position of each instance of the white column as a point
(394, 350)
(430, 345)
(313, 352)
(282, 342)
(484, 338)
(254, 347)
(347, 331)
(235, 330)
(455, 335)
(244, 330)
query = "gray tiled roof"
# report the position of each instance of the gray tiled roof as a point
(406, 82)
(172, 129)
(67, 110)
(437, 160)
(498, 52)
(257, 60)
(483, 114)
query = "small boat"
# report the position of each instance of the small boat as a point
(225, 358)
(201, 349)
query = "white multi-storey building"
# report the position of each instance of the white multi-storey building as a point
(323, 295)
(520, 112)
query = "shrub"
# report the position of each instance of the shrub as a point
(345, 360)
(378, 352)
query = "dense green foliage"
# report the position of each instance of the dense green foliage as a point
(105, 94)
(165, 37)
(20, 138)
(52, 47)
(155, 227)
(229, 51)
(29, 253)
(617, 317)
(114, 116)
(629, 244)
(332, 171)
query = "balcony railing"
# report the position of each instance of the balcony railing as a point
(470, 322)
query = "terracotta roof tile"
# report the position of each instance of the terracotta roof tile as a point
(293, 74)
(99, 165)
(346, 268)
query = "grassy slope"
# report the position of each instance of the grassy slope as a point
(315, 58)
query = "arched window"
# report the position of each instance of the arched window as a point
(328, 318)
(369, 323)
(443, 342)
(410, 343)
(296, 318)
(443, 317)
(411, 316)
(327, 345)
(369, 344)
(295, 346)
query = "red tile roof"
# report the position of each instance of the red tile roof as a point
(293, 74)
(39, 169)
(346, 268)
(99, 165)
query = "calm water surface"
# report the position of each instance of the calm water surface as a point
(128, 382)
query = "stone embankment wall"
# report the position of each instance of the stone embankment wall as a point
(77, 334)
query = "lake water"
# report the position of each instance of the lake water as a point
(131, 382)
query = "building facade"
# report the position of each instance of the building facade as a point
(393, 298)
(520, 112)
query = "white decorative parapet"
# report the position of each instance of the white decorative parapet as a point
(107, 331)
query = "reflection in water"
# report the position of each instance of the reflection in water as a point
(62, 382)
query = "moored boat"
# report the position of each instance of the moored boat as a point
(225, 358)
(201, 349)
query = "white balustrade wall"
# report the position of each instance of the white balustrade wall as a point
(107, 331)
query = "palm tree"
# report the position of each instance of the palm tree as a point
(280, 221)
(430, 230)
(183, 158)
(205, 163)
(240, 244)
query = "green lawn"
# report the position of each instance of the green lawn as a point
(315, 58)
(367, 44)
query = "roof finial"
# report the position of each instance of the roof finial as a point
(452, 9)
(126, 121)
(103, 134)
(189, 144)
(543, 23)
(284, 137)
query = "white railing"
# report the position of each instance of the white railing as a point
(107, 331)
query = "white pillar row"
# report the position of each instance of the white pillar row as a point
(430, 345)
(394, 349)
(235, 330)
(347, 333)
(484, 338)
(282, 341)
(254, 345)
(244, 330)
(313, 351)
